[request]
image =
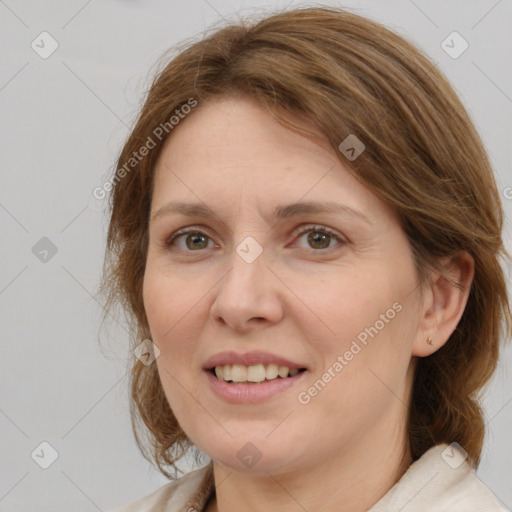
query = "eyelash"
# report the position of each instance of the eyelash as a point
(304, 229)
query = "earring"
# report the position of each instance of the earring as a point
(429, 341)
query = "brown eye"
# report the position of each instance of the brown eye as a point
(194, 240)
(319, 240)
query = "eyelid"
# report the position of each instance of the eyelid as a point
(305, 228)
(317, 227)
(299, 231)
(169, 241)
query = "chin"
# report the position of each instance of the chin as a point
(257, 457)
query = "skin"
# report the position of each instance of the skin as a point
(303, 300)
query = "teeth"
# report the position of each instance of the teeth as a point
(283, 371)
(255, 373)
(238, 373)
(272, 371)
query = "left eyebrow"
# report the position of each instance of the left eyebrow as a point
(314, 207)
(280, 212)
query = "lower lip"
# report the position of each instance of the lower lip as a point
(237, 393)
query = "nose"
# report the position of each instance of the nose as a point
(248, 296)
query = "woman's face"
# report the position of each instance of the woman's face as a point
(329, 287)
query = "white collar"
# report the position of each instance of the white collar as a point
(439, 481)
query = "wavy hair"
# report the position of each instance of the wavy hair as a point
(423, 156)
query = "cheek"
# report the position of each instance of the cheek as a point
(368, 322)
(375, 360)
(342, 306)
(172, 314)
(363, 376)
(173, 311)
(167, 300)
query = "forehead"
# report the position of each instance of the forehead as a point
(236, 129)
(231, 150)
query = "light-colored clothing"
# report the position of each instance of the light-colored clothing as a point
(434, 483)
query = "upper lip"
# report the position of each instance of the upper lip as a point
(249, 359)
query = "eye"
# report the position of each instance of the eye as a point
(319, 237)
(192, 237)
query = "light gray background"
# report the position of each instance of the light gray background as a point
(64, 119)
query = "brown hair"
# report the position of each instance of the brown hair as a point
(348, 75)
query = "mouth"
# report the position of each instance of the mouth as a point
(254, 374)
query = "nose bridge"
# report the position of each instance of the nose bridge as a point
(246, 292)
(247, 266)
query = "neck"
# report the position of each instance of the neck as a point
(354, 480)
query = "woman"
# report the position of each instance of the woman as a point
(306, 232)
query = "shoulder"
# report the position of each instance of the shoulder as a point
(172, 497)
(440, 480)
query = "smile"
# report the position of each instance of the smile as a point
(256, 374)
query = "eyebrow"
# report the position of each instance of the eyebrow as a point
(280, 212)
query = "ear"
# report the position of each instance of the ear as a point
(444, 300)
